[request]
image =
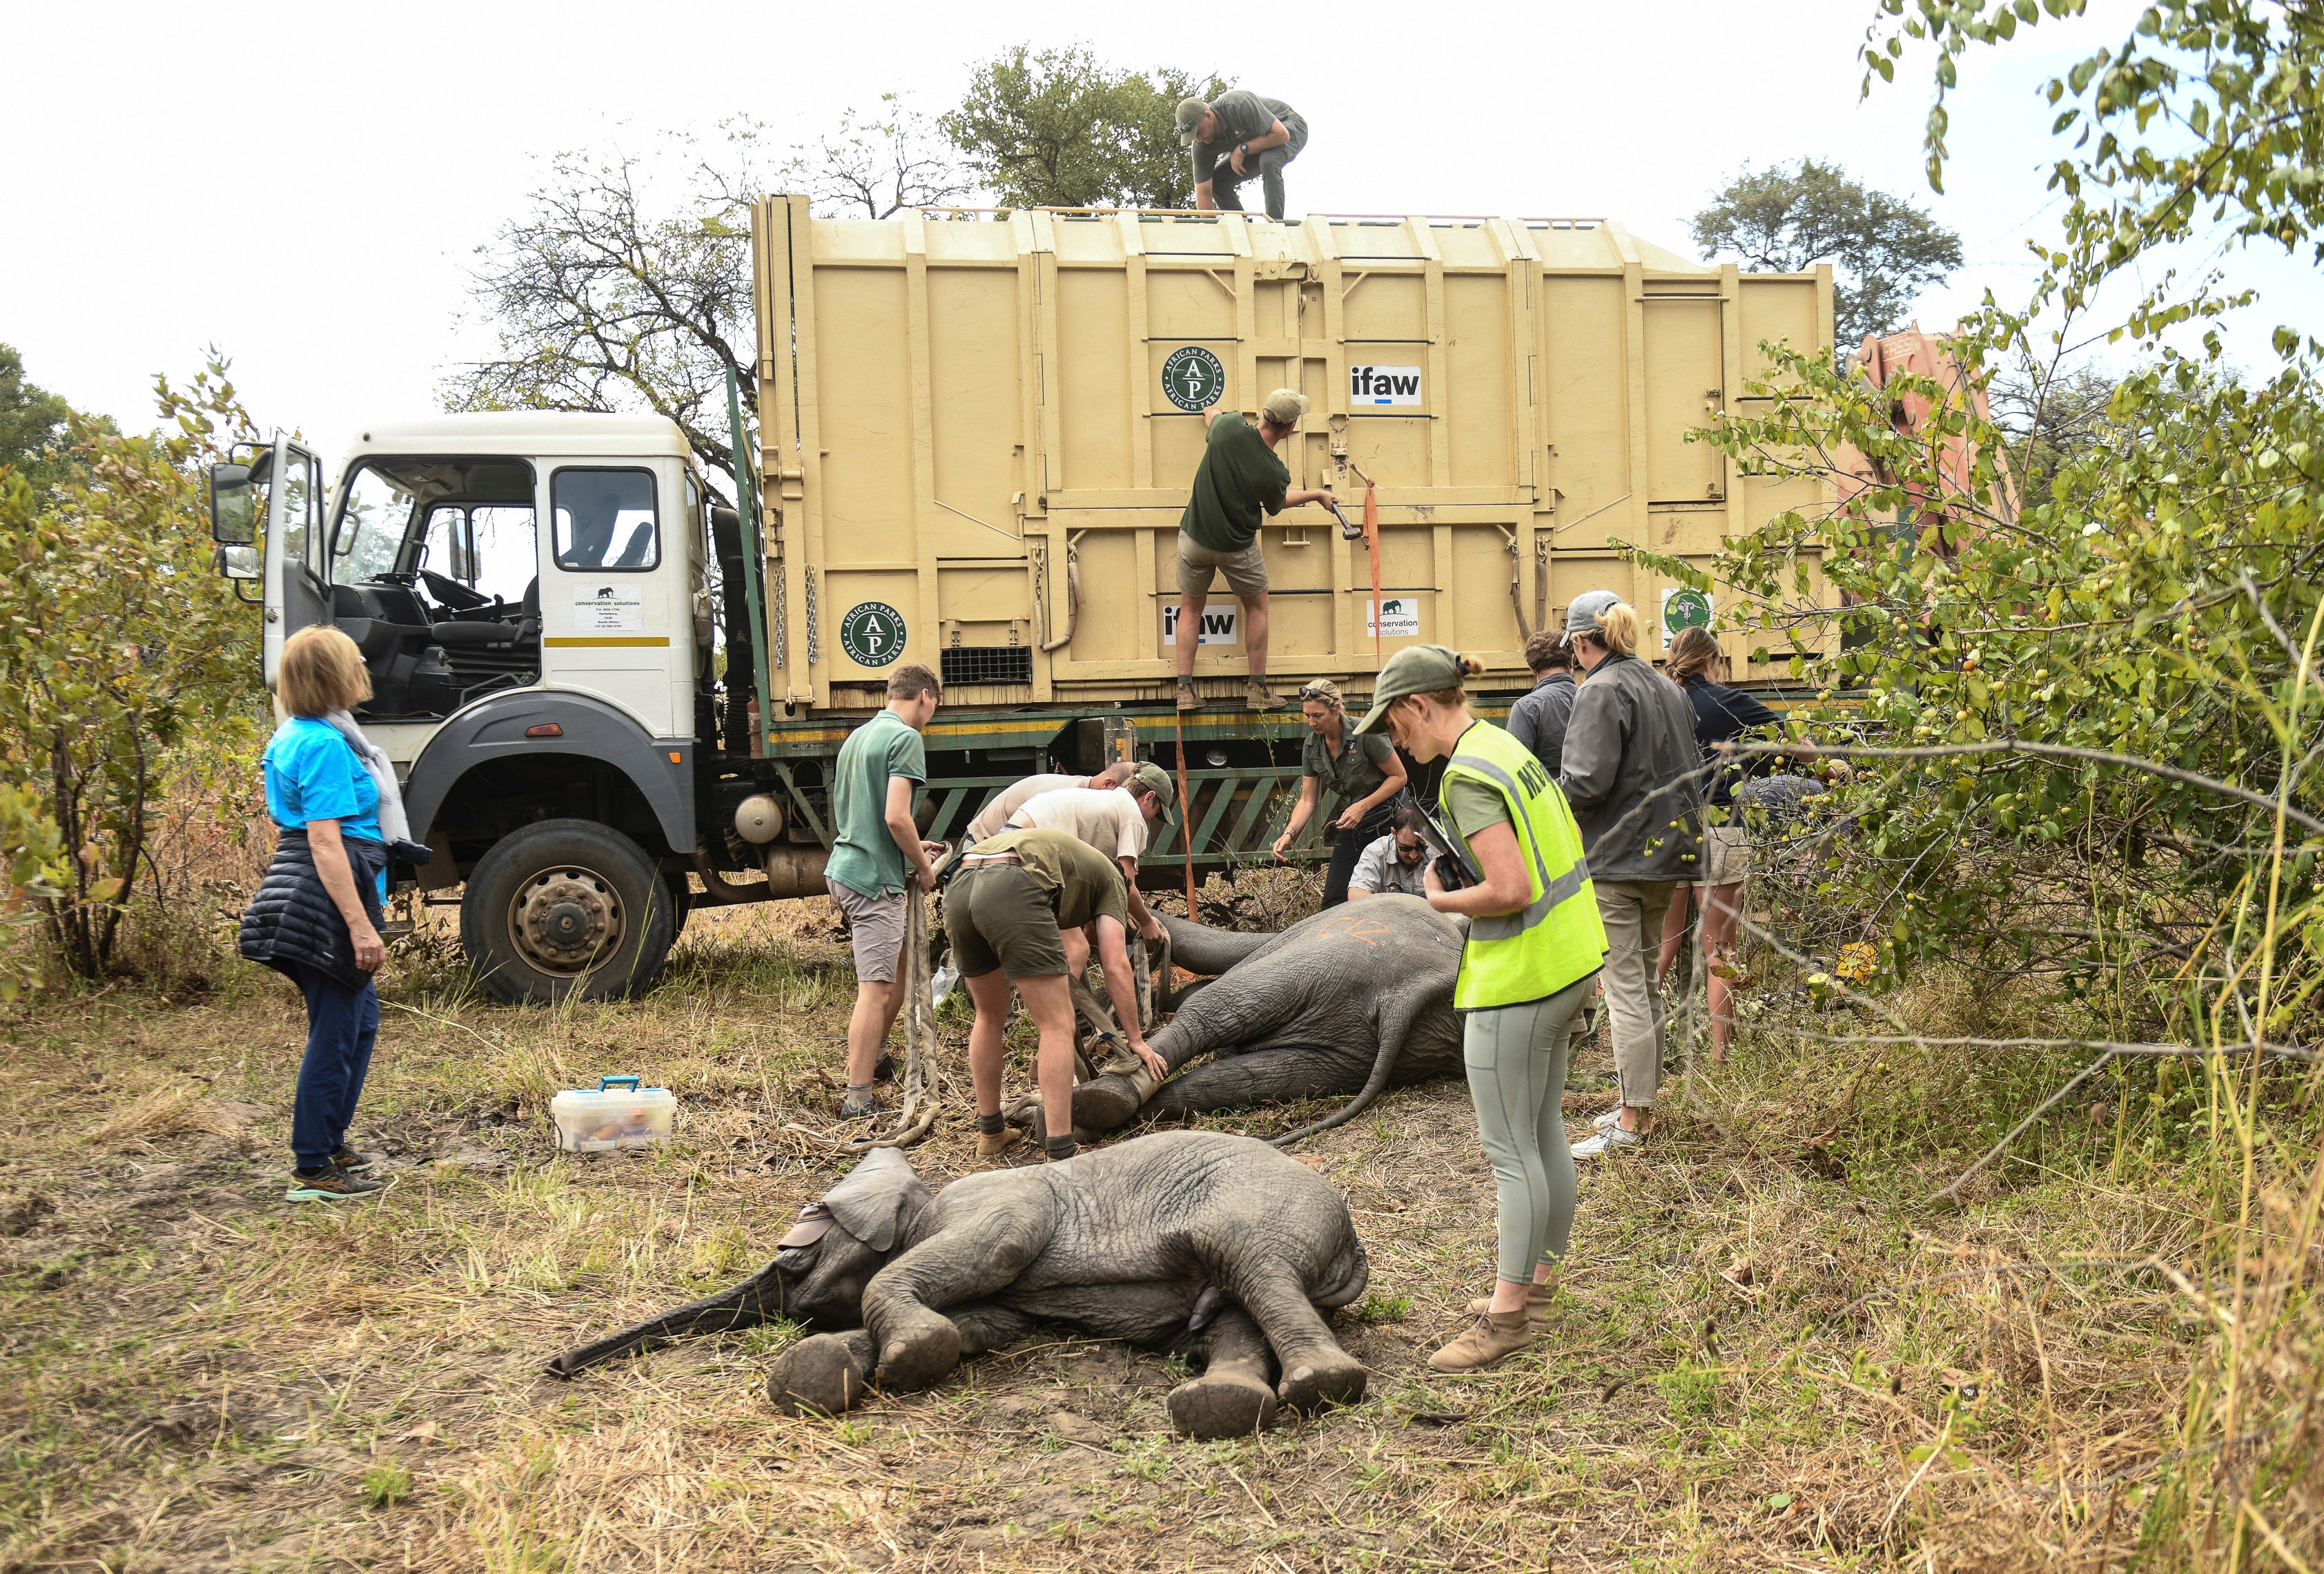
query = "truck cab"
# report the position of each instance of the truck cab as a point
(528, 593)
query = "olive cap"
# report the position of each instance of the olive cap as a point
(1190, 115)
(1152, 778)
(1414, 670)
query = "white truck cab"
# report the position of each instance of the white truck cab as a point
(528, 590)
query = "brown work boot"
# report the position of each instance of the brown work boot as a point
(994, 1146)
(1536, 1303)
(1188, 699)
(1255, 695)
(1493, 1336)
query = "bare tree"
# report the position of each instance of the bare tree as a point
(602, 300)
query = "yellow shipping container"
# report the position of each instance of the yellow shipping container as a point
(980, 432)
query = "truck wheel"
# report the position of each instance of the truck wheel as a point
(566, 908)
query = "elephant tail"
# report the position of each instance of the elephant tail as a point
(1382, 1064)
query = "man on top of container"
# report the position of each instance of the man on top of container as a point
(1113, 821)
(875, 849)
(1235, 136)
(1240, 482)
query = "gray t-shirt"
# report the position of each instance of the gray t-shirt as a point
(1380, 872)
(1242, 115)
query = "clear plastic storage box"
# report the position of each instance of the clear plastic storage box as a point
(616, 1113)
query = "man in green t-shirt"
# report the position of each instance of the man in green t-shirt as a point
(875, 848)
(1005, 913)
(1234, 137)
(1240, 482)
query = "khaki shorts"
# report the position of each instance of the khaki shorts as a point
(1246, 570)
(876, 924)
(999, 916)
(1726, 855)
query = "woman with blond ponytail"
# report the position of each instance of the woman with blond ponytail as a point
(1631, 771)
(1533, 943)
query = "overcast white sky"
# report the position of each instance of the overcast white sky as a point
(304, 185)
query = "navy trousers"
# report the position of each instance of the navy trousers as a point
(342, 1024)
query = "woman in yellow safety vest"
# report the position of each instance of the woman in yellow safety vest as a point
(1535, 943)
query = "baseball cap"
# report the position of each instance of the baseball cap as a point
(1414, 670)
(1285, 407)
(1588, 607)
(1152, 778)
(1190, 115)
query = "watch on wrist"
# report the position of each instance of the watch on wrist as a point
(1243, 148)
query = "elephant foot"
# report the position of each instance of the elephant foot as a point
(1326, 1376)
(918, 1350)
(1222, 1404)
(1105, 1104)
(825, 1375)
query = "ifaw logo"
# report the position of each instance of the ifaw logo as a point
(1384, 385)
(1217, 626)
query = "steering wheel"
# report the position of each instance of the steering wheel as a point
(451, 593)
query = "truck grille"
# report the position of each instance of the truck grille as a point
(986, 664)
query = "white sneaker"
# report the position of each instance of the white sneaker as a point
(1607, 1141)
(1601, 1122)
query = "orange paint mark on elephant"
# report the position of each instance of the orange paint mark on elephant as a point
(1370, 931)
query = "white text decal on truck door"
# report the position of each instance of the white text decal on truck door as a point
(619, 607)
(1383, 385)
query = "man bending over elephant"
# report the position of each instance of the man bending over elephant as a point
(1113, 821)
(1003, 913)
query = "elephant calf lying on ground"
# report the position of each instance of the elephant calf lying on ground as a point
(1217, 1245)
(1355, 999)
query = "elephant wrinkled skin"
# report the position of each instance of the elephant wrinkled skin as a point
(1217, 1245)
(1355, 999)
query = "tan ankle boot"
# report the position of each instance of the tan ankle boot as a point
(993, 1147)
(1255, 695)
(1494, 1335)
(1537, 1302)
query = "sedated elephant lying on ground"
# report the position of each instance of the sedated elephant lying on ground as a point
(1215, 1245)
(1355, 999)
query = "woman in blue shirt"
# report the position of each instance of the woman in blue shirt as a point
(317, 916)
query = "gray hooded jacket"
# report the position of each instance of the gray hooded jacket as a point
(1630, 773)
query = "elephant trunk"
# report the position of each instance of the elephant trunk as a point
(1382, 1064)
(751, 1302)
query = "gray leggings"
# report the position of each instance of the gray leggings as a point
(1515, 1058)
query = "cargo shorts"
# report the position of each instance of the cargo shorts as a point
(1198, 565)
(999, 916)
(1727, 855)
(876, 925)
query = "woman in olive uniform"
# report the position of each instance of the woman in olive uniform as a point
(1535, 943)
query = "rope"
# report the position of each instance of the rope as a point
(1372, 543)
(1186, 813)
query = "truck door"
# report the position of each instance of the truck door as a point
(297, 587)
(613, 618)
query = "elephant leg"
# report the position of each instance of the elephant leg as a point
(918, 1345)
(825, 1375)
(986, 1326)
(1235, 1395)
(1262, 1077)
(1316, 1371)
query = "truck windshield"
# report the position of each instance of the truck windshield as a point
(374, 516)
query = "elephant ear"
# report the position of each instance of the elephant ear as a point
(878, 1199)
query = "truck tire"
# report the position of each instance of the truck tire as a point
(565, 909)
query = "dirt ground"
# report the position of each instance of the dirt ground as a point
(1766, 1354)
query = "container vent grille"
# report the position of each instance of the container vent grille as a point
(987, 665)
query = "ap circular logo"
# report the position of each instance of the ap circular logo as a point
(1193, 379)
(872, 633)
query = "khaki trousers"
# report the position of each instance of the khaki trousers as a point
(1633, 913)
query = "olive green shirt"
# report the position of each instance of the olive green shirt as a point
(865, 857)
(1355, 771)
(1239, 483)
(1084, 882)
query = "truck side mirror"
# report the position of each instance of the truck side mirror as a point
(238, 562)
(234, 510)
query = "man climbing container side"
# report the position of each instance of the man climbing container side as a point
(1235, 136)
(1240, 482)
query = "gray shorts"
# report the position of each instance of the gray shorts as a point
(877, 925)
(1727, 853)
(1199, 565)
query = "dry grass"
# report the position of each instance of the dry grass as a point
(1766, 1356)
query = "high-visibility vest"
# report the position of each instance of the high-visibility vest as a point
(1556, 939)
